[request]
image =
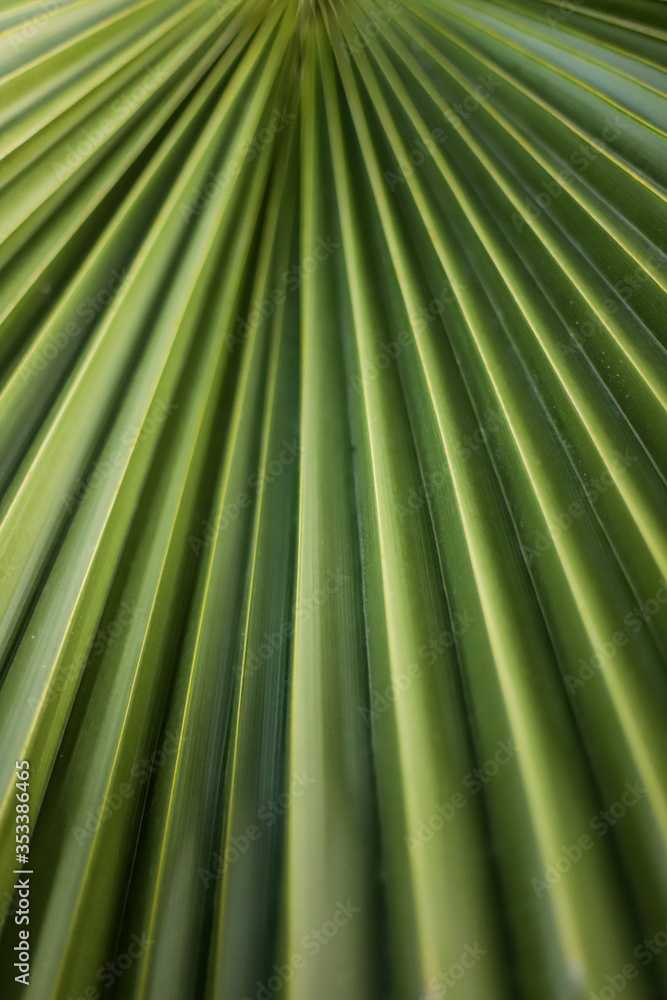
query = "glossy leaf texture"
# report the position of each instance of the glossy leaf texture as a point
(333, 499)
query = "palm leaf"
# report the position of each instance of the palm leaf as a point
(332, 522)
